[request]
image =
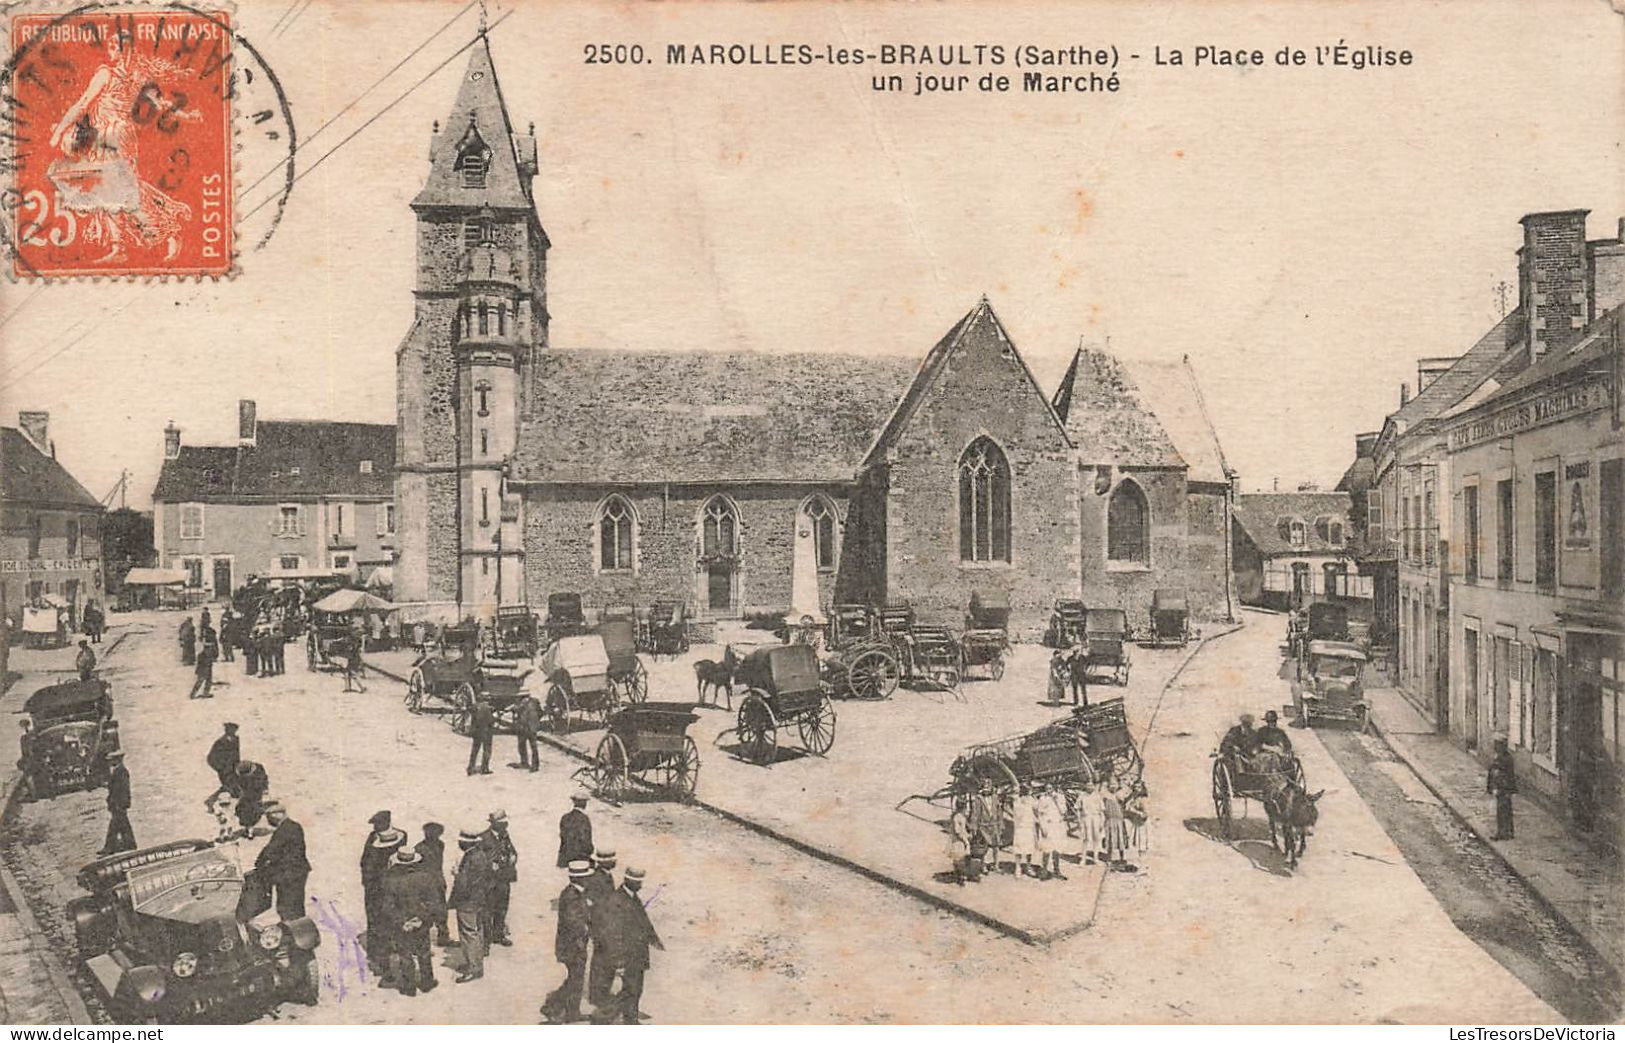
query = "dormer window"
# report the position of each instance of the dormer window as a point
(472, 165)
(366, 467)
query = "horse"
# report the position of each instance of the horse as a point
(717, 676)
(1293, 811)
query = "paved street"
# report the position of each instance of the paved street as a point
(1209, 931)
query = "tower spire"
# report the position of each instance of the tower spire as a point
(483, 24)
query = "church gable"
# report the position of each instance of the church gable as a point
(973, 381)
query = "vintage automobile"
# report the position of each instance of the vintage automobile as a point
(1170, 618)
(74, 731)
(1333, 685)
(515, 633)
(986, 639)
(172, 934)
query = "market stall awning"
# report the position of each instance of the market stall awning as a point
(142, 577)
(350, 600)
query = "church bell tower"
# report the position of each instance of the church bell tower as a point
(461, 372)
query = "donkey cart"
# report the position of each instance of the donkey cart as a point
(649, 741)
(1277, 782)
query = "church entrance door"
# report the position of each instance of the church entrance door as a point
(719, 555)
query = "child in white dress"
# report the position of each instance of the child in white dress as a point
(1024, 839)
(1091, 822)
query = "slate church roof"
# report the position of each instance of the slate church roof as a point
(481, 111)
(1108, 418)
(28, 476)
(608, 417)
(290, 459)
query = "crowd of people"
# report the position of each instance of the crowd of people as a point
(1030, 829)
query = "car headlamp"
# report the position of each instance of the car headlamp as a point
(271, 937)
(185, 965)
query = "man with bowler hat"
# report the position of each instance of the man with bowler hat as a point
(505, 871)
(1503, 782)
(575, 832)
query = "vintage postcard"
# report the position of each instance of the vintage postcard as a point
(539, 512)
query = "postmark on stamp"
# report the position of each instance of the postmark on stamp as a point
(124, 154)
(124, 150)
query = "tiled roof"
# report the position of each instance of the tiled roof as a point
(1593, 347)
(32, 477)
(1455, 383)
(1169, 388)
(1359, 476)
(290, 458)
(652, 416)
(1107, 416)
(1264, 517)
(479, 110)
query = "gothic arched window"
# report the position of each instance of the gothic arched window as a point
(617, 527)
(820, 514)
(1128, 525)
(984, 503)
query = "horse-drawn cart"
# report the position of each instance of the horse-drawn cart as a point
(1170, 618)
(577, 669)
(649, 741)
(862, 664)
(783, 688)
(666, 632)
(1274, 780)
(565, 617)
(986, 639)
(448, 674)
(1105, 641)
(1067, 623)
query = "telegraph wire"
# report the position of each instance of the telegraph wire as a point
(375, 116)
(357, 99)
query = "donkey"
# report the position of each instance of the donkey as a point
(717, 676)
(1293, 811)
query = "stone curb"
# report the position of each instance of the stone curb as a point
(1464, 814)
(78, 1013)
(901, 886)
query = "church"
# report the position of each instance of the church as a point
(630, 476)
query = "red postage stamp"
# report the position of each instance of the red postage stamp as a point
(122, 158)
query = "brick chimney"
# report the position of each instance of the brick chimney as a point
(172, 441)
(36, 425)
(1607, 257)
(246, 427)
(1554, 283)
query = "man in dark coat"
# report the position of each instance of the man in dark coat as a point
(1502, 781)
(120, 837)
(1272, 734)
(505, 871)
(249, 789)
(85, 661)
(433, 850)
(188, 638)
(228, 633)
(470, 894)
(225, 755)
(204, 681)
(1078, 667)
(282, 866)
(600, 888)
(630, 935)
(382, 842)
(527, 721)
(411, 897)
(279, 650)
(481, 726)
(246, 634)
(1241, 740)
(563, 1004)
(575, 832)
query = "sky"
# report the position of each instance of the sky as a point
(1303, 235)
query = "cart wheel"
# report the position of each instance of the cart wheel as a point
(414, 692)
(683, 773)
(637, 686)
(873, 675)
(462, 714)
(1221, 797)
(995, 668)
(758, 729)
(610, 778)
(557, 707)
(818, 728)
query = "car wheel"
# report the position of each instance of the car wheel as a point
(309, 989)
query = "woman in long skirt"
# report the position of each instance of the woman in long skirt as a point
(1138, 819)
(1116, 828)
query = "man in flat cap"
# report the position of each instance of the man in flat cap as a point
(282, 866)
(470, 894)
(482, 726)
(120, 837)
(575, 832)
(433, 850)
(381, 843)
(563, 1004)
(505, 871)
(225, 755)
(631, 935)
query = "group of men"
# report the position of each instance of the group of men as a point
(527, 725)
(245, 782)
(604, 931)
(406, 900)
